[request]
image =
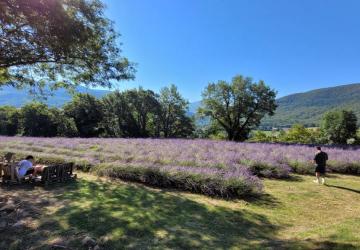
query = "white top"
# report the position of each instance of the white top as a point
(24, 166)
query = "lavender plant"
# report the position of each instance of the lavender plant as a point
(221, 168)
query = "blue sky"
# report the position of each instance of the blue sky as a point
(293, 45)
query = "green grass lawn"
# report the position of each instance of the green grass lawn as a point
(292, 214)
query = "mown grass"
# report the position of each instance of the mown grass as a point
(292, 214)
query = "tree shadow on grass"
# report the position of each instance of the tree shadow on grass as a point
(295, 178)
(263, 200)
(136, 217)
(343, 188)
(308, 244)
(131, 216)
(300, 177)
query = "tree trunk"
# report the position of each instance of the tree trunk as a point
(230, 134)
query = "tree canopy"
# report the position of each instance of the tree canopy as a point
(339, 126)
(173, 121)
(134, 113)
(9, 120)
(59, 43)
(87, 113)
(237, 107)
(130, 113)
(38, 120)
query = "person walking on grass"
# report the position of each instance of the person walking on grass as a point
(320, 160)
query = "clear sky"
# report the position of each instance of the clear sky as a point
(293, 45)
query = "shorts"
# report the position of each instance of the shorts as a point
(30, 171)
(320, 169)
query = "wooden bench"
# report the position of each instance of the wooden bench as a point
(11, 175)
(2, 166)
(67, 172)
(7, 166)
(8, 157)
(51, 174)
(58, 173)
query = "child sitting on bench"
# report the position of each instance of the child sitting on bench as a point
(26, 167)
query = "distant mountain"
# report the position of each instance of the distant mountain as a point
(193, 106)
(192, 110)
(14, 97)
(308, 108)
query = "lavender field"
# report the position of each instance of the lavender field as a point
(216, 168)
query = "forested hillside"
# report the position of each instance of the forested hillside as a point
(307, 108)
(19, 97)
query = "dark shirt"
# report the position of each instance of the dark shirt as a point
(321, 158)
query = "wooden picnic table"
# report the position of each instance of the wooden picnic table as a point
(6, 161)
(50, 174)
(7, 171)
(1, 169)
(2, 166)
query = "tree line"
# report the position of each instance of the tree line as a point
(336, 127)
(234, 108)
(132, 113)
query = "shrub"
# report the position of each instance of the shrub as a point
(198, 180)
(262, 169)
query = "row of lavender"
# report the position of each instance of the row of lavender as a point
(204, 166)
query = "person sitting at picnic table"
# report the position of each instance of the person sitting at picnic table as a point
(26, 167)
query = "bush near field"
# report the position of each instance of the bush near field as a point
(203, 182)
(337, 127)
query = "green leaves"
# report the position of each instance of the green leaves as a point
(238, 106)
(339, 126)
(172, 119)
(130, 113)
(87, 113)
(9, 120)
(67, 41)
(38, 120)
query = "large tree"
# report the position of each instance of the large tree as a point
(118, 118)
(38, 120)
(65, 126)
(239, 106)
(338, 126)
(87, 113)
(130, 113)
(144, 107)
(9, 120)
(172, 120)
(59, 43)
